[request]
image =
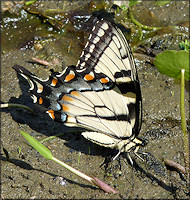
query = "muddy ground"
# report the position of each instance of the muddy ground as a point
(30, 176)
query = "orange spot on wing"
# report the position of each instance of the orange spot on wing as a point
(69, 77)
(88, 77)
(51, 113)
(40, 100)
(54, 82)
(104, 80)
(75, 93)
(65, 108)
(66, 98)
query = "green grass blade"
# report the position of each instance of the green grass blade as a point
(44, 151)
(29, 2)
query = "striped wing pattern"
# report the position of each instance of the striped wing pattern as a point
(100, 93)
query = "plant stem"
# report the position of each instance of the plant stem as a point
(175, 165)
(183, 121)
(75, 171)
(7, 105)
(93, 180)
(147, 28)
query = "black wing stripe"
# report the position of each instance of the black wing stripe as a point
(111, 118)
(95, 52)
(102, 62)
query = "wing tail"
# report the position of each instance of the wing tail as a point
(39, 89)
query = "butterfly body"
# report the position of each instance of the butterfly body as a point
(101, 93)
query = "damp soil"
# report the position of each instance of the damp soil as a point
(27, 175)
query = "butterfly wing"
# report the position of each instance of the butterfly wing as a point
(108, 52)
(101, 93)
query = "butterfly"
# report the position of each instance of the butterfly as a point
(101, 93)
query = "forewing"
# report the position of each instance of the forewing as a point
(108, 52)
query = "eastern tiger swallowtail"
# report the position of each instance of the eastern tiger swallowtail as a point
(101, 93)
